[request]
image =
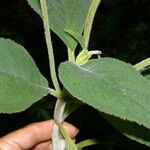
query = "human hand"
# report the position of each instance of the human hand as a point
(33, 137)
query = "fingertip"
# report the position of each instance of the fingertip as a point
(71, 130)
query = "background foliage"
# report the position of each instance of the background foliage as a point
(121, 30)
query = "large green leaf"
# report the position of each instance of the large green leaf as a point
(111, 86)
(130, 129)
(65, 14)
(21, 83)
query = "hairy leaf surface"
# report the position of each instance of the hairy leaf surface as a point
(65, 14)
(130, 129)
(21, 83)
(111, 86)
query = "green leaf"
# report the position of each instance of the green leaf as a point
(65, 14)
(130, 129)
(21, 83)
(111, 86)
(79, 38)
(71, 104)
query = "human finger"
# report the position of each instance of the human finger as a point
(33, 134)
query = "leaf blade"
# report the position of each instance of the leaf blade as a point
(130, 129)
(21, 83)
(111, 86)
(65, 14)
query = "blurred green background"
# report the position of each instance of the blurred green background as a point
(121, 30)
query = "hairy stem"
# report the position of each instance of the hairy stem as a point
(59, 117)
(89, 20)
(71, 56)
(70, 144)
(49, 44)
(59, 110)
(60, 104)
(55, 93)
(88, 142)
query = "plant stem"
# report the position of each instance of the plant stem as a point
(59, 110)
(70, 142)
(55, 93)
(59, 117)
(60, 104)
(88, 142)
(89, 20)
(49, 44)
(71, 56)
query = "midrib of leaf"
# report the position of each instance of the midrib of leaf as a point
(116, 87)
(27, 81)
(109, 82)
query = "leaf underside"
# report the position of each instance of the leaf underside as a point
(65, 14)
(111, 86)
(21, 83)
(130, 129)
